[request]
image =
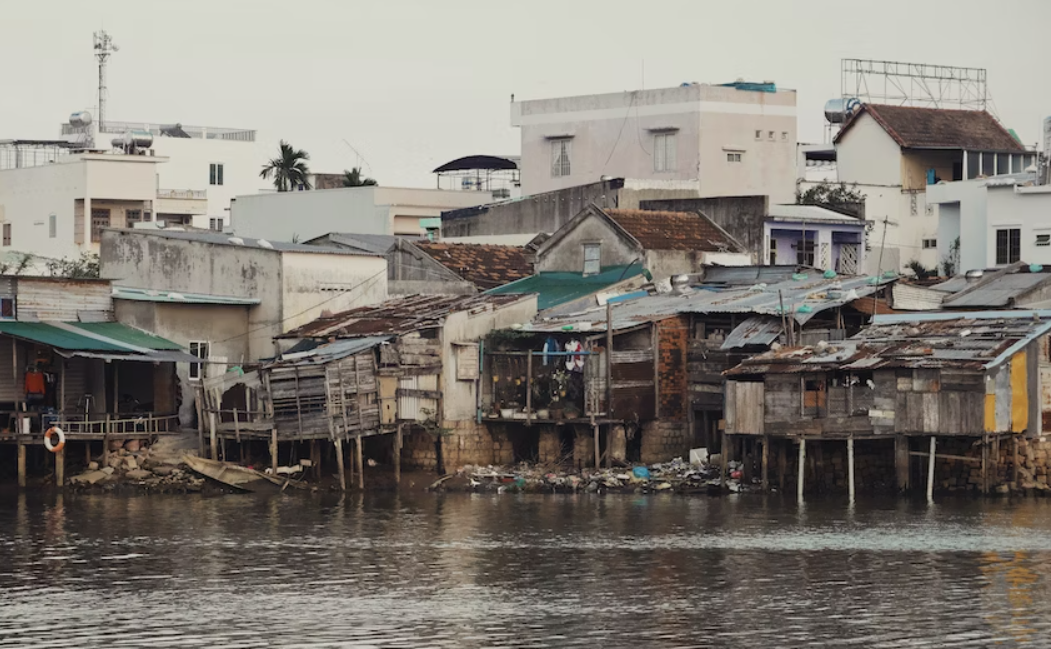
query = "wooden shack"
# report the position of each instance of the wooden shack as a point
(977, 377)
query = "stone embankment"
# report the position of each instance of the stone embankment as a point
(133, 464)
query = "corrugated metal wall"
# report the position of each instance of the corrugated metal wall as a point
(65, 301)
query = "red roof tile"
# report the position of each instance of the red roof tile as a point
(657, 230)
(913, 127)
(486, 265)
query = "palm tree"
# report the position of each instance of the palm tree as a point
(353, 178)
(288, 169)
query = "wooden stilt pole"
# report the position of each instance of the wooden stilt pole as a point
(1014, 463)
(850, 467)
(213, 439)
(397, 456)
(273, 451)
(360, 463)
(21, 465)
(782, 463)
(901, 462)
(339, 464)
(930, 471)
(87, 453)
(60, 468)
(315, 459)
(985, 464)
(725, 459)
(598, 458)
(994, 477)
(766, 463)
(801, 477)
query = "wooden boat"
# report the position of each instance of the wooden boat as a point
(237, 477)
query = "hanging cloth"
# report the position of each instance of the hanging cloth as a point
(574, 362)
(550, 346)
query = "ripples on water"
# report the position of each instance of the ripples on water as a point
(520, 571)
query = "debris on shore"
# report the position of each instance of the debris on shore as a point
(676, 476)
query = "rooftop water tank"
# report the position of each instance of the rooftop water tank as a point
(134, 140)
(839, 110)
(80, 119)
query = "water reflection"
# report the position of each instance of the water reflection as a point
(384, 570)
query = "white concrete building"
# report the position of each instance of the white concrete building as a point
(54, 203)
(998, 221)
(209, 163)
(734, 139)
(300, 216)
(894, 153)
(226, 298)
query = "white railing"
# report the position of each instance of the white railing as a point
(182, 193)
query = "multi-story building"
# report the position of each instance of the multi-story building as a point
(731, 139)
(894, 153)
(54, 202)
(204, 163)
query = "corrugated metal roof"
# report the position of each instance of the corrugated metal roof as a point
(398, 316)
(221, 239)
(98, 340)
(909, 297)
(803, 299)
(748, 275)
(998, 292)
(811, 213)
(554, 288)
(178, 297)
(333, 351)
(976, 342)
(758, 330)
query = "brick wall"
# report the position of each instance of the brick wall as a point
(672, 347)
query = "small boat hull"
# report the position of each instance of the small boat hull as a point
(236, 477)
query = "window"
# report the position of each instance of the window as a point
(770, 135)
(664, 152)
(784, 136)
(215, 223)
(99, 220)
(1043, 240)
(7, 234)
(988, 164)
(805, 253)
(758, 135)
(733, 156)
(974, 161)
(215, 173)
(561, 150)
(132, 216)
(52, 226)
(200, 349)
(930, 244)
(1008, 246)
(592, 258)
(7, 307)
(1003, 163)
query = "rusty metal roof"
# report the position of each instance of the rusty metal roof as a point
(975, 341)
(398, 316)
(803, 298)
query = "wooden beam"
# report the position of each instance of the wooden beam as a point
(901, 462)
(212, 438)
(609, 363)
(273, 451)
(598, 459)
(60, 468)
(766, 463)
(339, 464)
(945, 456)
(360, 463)
(397, 456)
(782, 463)
(21, 465)
(724, 459)
(529, 390)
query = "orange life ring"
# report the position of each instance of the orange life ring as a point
(54, 430)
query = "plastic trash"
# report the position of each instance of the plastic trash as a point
(829, 274)
(641, 472)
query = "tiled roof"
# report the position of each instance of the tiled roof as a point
(938, 128)
(486, 265)
(673, 230)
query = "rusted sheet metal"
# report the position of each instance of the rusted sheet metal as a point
(398, 316)
(757, 330)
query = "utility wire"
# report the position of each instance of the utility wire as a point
(623, 122)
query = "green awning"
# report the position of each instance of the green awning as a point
(554, 288)
(109, 340)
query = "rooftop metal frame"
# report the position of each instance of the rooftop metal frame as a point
(914, 84)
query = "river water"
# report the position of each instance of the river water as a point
(461, 570)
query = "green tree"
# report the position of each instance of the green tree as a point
(288, 169)
(353, 178)
(836, 195)
(84, 267)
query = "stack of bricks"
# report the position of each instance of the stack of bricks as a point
(663, 440)
(1034, 465)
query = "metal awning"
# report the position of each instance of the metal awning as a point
(104, 340)
(757, 330)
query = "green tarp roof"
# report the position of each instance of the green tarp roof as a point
(87, 336)
(554, 288)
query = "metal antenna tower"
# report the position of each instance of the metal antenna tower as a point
(104, 47)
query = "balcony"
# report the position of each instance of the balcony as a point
(181, 201)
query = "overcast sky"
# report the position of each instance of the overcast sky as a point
(413, 84)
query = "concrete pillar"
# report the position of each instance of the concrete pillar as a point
(619, 444)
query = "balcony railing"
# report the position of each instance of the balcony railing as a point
(198, 194)
(197, 132)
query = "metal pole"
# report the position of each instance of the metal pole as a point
(930, 472)
(802, 468)
(850, 466)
